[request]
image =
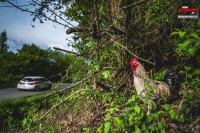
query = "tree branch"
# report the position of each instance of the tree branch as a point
(95, 34)
(115, 31)
(18, 6)
(134, 54)
(134, 4)
(76, 29)
(71, 85)
(59, 104)
(67, 51)
(87, 52)
(25, 10)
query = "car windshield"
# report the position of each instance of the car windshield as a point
(29, 79)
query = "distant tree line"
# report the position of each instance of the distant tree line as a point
(32, 60)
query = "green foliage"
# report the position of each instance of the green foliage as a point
(187, 51)
(106, 74)
(147, 27)
(118, 122)
(3, 42)
(160, 75)
(133, 118)
(87, 130)
(189, 43)
(32, 60)
(12, 112)
(190, 89)
(107, 126)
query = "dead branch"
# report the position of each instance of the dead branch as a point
(71, 85)
(59, 104)
(67, 51)
(105, 68)
(134, 54)
(76, 29)
(87, 52)
(180, 105)
(134, 4)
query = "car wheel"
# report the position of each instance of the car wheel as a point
(37, 88)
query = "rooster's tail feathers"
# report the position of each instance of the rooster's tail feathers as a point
(161, 88)
(164, 89)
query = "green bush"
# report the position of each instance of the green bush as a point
(12, 112)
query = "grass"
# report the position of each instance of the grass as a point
(12, 112)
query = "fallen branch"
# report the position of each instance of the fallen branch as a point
(59, 104)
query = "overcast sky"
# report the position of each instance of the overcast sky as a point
(20, 31)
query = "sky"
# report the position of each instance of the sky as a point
(20, 31)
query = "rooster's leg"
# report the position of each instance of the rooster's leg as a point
(149, 107)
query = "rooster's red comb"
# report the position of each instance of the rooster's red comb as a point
(133, 60)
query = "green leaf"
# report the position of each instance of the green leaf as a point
(137, 109)
(160, 127)
(90, 63)
(172, 114)
(145, 84)
(189, 76)
(107, 127)
(195, 35)
(160, 112)
(106, 74)
(137, 130)
(97, 67)
(150, 118)
(181, 72)
(152, 128)
(196, 71)
(181, 34)
(198, 24)
(113, 110)
(99, 129)
(89, 44)
(192, 51)
(24, 122)
(154, 106)
(184, 45)
(118, 122)
(166, 107)
(187, 110)
(174, 33)
(197, 44)
(40, 126)
(132, 99)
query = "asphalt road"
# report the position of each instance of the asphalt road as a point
(12, 93)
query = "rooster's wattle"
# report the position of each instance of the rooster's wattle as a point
(140, 78)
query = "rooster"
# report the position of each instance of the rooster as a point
(160, 89)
